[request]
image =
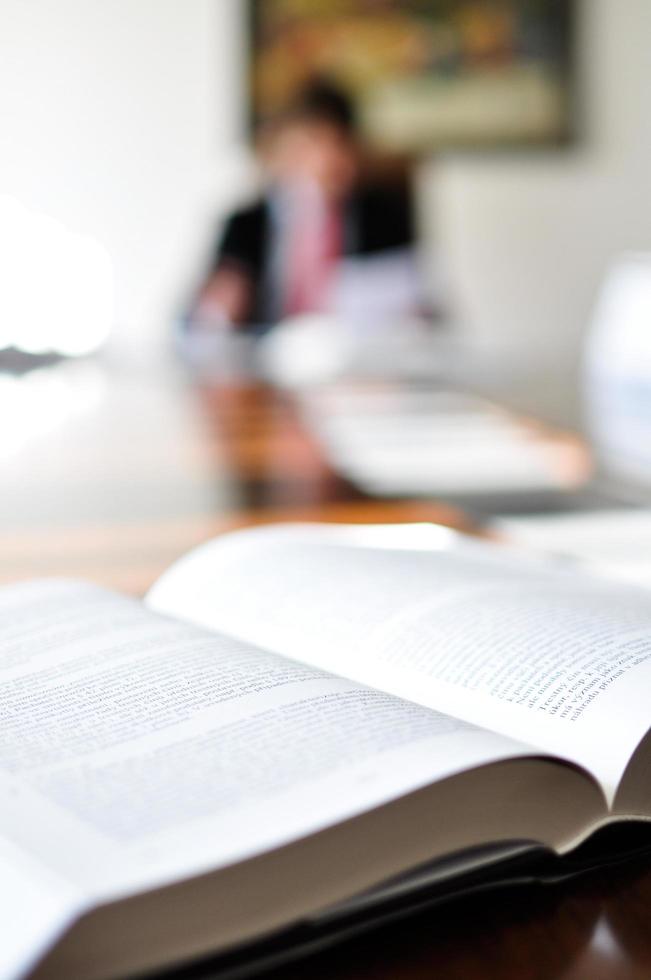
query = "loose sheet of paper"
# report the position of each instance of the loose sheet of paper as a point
(394, 443)
(616, 542)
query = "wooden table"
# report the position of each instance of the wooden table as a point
(137, 469)
(112, 476)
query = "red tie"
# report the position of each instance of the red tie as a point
(315, 245)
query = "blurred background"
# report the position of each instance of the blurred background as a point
(130, 134)
(127, 124)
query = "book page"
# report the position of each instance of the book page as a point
(137, 750)
(36, 907)
(537, 651)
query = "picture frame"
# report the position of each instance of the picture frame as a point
(424, 75)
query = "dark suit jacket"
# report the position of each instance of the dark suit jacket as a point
(376, 219)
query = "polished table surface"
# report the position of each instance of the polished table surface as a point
(111, 475)
(127, 471)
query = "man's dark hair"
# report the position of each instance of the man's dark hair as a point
(322, 101)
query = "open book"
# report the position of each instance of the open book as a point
(297, 722)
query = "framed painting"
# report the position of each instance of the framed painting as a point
(424, 74)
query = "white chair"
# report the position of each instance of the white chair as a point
(617, 372)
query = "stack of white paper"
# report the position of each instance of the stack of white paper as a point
(418, 443)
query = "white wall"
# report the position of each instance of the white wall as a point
(528, 236)
(115, 117)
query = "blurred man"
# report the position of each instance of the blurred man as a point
(311, 242)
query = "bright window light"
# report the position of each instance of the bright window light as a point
(56, 293)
